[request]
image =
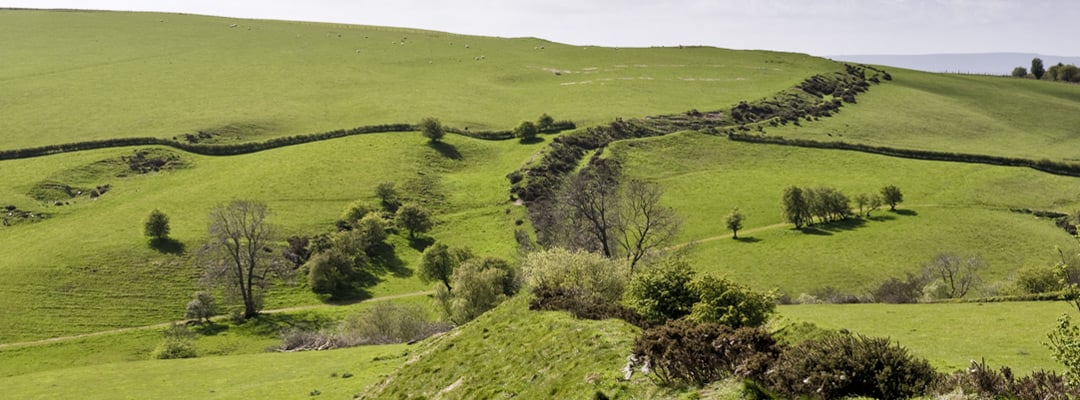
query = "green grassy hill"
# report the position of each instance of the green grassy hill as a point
(96, 75)
(87, 268)
(959, 113)
(948, 207)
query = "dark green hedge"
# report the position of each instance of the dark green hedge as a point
(1057, 168)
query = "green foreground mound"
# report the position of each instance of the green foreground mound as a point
(514, 352)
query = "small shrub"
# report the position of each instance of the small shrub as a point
(387, 323)
(580, 272)
(156, 225)
(662, 292)
(847, 365)
(178, 343)
(1038, 279)
(725, 302)
(985, 382)
(202, 307)
(897, 291)
(582, 306)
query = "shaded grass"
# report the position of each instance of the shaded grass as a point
(951, 335)
(96, 75)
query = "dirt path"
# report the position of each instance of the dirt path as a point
(166, 324)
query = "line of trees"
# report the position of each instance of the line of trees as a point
(1060, 72)
(803, 205)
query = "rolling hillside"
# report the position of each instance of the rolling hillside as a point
(82, 265)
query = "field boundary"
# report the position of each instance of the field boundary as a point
(252, 147)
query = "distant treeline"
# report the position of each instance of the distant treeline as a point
(1058, 73)
(818, 96)
(250, 147)
(1053, 167)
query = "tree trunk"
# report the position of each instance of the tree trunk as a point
(734, 233)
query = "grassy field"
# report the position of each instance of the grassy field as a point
(948, 207)
(96, 75)
(334, 374)
(959, 113)
(89, 268)
(951, 335)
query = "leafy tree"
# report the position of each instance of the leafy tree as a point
(526, 131)
(414, 218)
(796, 207)
(331, 273)
(1065, 346)
(439, 262)
(202, 307)
(370, 232)
(1037, 68)
(238, 256)
(358, 209)
(545, 122)
(1019, 72)
(725, 302)
(892, 195)
(1069, 73)
(156, 225)
(875, 203)
(479, 284)
(662, 292)
(432, 129)
(862, 200)
(734, 222)
(388, 196)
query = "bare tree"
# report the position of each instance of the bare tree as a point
(238, 256)
(591, 199)
(644, 224)
(958, 274)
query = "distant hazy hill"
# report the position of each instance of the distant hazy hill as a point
(983, 63)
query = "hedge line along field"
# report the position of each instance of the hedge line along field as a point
(98, 75)
(88, 267)
(948, 207)
(959, 113)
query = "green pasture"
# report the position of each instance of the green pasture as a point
(262, 376)
(951, 335)
(88, 266)
(76, 76)
(221, 338)
(958, 113)
(948, 207)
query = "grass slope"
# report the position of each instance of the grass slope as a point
(514, 352)
(951, 335)
(959, 113)
(96, 75)
(949, 207)
(88, 267)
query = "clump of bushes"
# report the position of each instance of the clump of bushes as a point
(179, 342)
(985, 382)
(685, 352)
(671, 290)
(849, 365)
(384, 323)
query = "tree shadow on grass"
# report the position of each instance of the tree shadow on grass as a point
(420, 243)
(748, 239)
(275, 324)
(905, 212)
(826, 229)
(384, 259)
(168, 246)
(880, 218)
(446, 149)
(534, 140)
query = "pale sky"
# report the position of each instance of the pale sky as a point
(821, 27)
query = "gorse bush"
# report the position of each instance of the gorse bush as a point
(985, 382)
(584, 306)
(685, 352)
(847, 365)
